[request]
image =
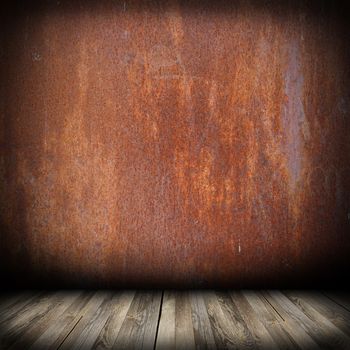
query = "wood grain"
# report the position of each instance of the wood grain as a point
(84, 320)
(62, 325)
(264, 320)
(297, 325)
(203, 334)
(118, 312)
(329, 309)
(138, 331)
(272, 321)
(315, 324)
(22, 320)
(41, 324)
(184, 335)
(262, 337)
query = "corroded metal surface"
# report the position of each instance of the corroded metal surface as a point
(175, 143)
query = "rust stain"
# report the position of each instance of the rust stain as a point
(183, 143)
(293, 118)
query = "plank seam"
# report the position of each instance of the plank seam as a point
(334, 301)
(274, 308)
(158, 322)
(64, 339)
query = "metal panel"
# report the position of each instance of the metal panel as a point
(174, 143)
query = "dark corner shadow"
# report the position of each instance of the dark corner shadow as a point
(12, 268)
(323, 273)
(318, 277)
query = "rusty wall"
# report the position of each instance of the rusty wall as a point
(175, 143)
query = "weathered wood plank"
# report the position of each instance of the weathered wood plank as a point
(297, 325)
(11, 311)
(166, 328)
(88, 335)
(7, 300)
(229, 331)
(184, 336)
(42, 322)
(271, 320)
(32, 312)
(59, 329)
(335, 313)
(118, 311)
(203, 334)
(181, 320)
(262, 337)
(138, 331)
(341, 298)
(83, 319)
(324, 331)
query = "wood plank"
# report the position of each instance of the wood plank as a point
(63, 325)
(184, 335)
(272, 321)
(110, 331)
(303, 330)
(12, 310)
(341, 298)
(82, 320)
(23, 320)
(333, 336)
(262, 337)
(138, 331)
(41, 323)
(7, 300)
(88, 335)
(228, 329)
(203, 334)
(332, 311)
(232, 314)
(184, 322)
(166, 327)
(188, 320)
(322, 330)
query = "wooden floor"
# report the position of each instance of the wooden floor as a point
(167, 320)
